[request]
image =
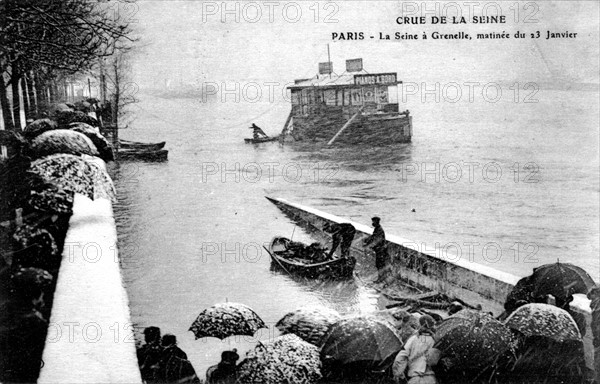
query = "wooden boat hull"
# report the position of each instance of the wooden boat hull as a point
(125, 144)
(334, 269)
(143, 155)
(261, 140)
(376, 129)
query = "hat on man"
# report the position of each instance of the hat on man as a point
(375, 219)
(426, 322)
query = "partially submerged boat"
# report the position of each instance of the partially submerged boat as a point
(261, 139)
(126, 144)
(143, 154)
(308, 260)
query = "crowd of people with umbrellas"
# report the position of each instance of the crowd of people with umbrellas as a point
(536, 340)
(48, 162)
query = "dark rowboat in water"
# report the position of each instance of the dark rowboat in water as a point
(262, 140)
(143, 155)
(126, 144)
(297, 258)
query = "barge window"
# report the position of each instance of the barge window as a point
(382, 95)
(295, 97)
(304, 96)
(347, 97)
(340, 97)
(330, 98)
(368, 95)
(319, 96)
(357, 98)
(311, 96)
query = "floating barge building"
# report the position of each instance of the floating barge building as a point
(355, 107)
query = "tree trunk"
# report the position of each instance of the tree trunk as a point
(116, 106)
(16, 100)
(6, 112)
(40, 95)
(53, 92)
(26, 104)
(33, 111)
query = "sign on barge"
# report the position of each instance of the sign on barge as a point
(355, 107)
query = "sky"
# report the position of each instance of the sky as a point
(195, 41)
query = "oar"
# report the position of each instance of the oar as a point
(275, 258)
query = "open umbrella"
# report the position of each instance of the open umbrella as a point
(64, 118)
(105, 150)
(62, 141)
(561, 280)
(309, 323)
(75, 174)
(360, 339)
(544, 320)
(473, 339)
(286, 359)
(37, 247)
(38, 127)
(50, 198)
(226, 319)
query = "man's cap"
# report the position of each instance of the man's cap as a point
(375, 218)
(426, 322)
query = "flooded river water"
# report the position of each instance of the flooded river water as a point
(499, 184)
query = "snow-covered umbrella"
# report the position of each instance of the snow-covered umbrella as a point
(37, 127)
(105, 150)
(62, 141)
(473, 339)
(75, 174)
(310, 323)
(363, 339)
(64, 118)
(286, 359)
(37, 247)
(50, 198)
(226, 319)
(544, 320)
(561, 280)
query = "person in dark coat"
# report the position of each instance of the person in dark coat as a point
(224, 372)
(174, 366)
(22, 331)
(258, 132)
(343, 234)
(149, 355)
(378, 245)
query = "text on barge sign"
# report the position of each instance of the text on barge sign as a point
(375, 78)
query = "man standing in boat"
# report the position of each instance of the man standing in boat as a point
(377, 243)
(258, 132)
(342, 235)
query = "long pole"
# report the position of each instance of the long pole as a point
(329, 61)
(345, 126)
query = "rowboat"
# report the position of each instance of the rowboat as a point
(126, 144)
(299, 259)
(261, 140)
(143, 155)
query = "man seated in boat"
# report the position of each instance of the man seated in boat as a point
(258, 132)
(342, 235)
